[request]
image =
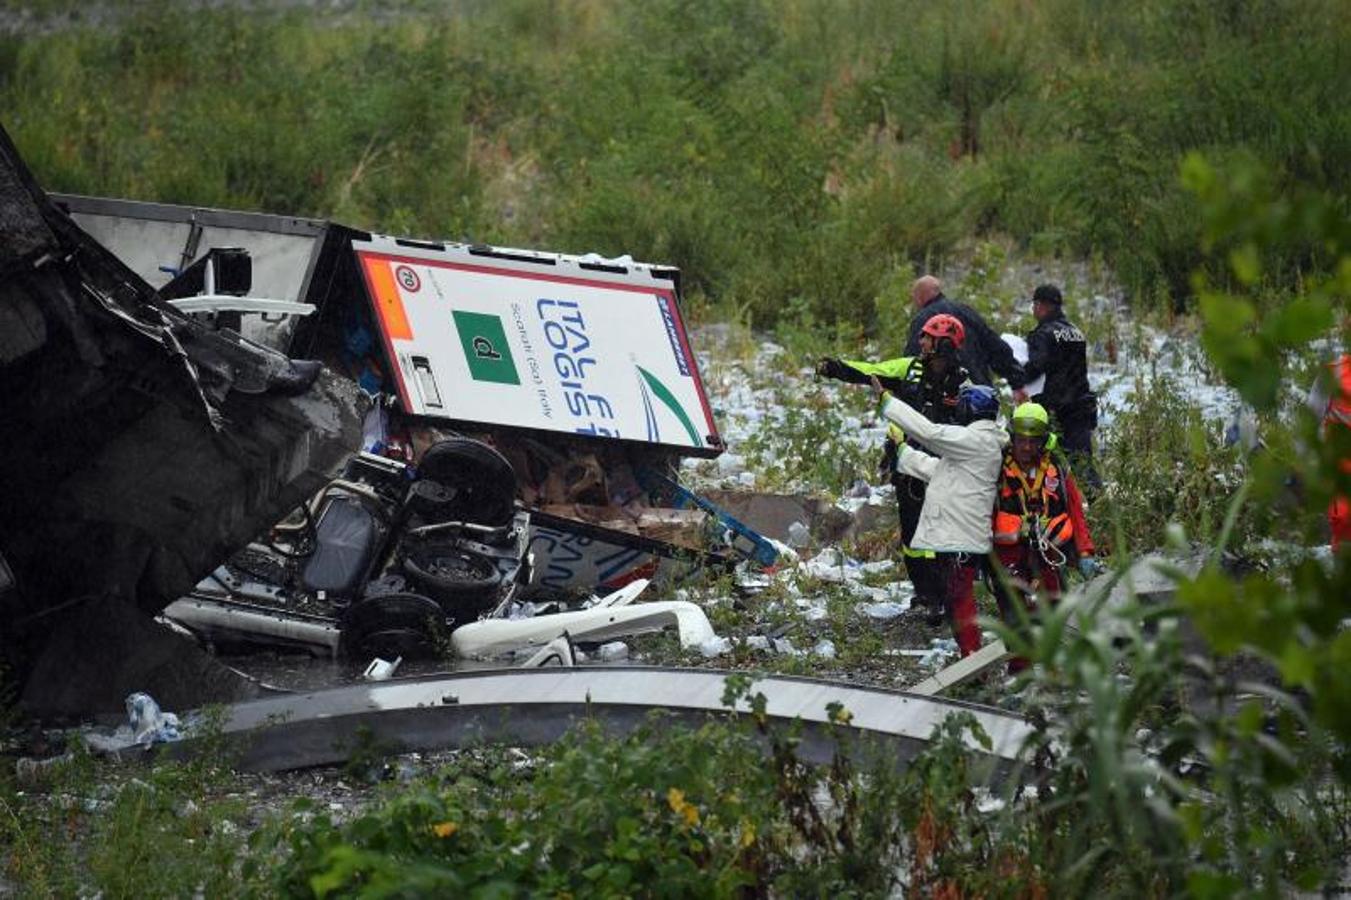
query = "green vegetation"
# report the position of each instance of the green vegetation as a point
(801, 156)
(1165, 466)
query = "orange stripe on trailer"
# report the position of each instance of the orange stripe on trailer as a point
(388, 303)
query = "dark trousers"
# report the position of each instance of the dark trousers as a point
(1022, 564)
(919, 565)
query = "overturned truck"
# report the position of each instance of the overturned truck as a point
(570, 377)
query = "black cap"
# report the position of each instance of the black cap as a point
(1047, 293)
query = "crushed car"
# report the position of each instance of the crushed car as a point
(383, 561)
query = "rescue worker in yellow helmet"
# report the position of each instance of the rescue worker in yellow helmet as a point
(1039, 526)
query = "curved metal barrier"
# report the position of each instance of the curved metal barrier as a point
(529, 707)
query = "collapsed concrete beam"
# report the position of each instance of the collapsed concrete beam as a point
(101, 650)
(141, 447)
(530, 707)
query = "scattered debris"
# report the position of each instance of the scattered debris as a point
(149, 725)
(381, 669)
(962, 670)
(883, 611)
(492, 637)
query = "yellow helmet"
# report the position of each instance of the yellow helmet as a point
(1031, 420)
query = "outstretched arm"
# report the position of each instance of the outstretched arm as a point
(945, 440)
(890, 372)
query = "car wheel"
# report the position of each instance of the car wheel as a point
(482, 481)
(392, 625)
(462, 581)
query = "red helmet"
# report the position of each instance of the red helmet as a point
(945, 326)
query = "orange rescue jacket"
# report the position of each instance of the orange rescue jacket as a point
(1044, 501)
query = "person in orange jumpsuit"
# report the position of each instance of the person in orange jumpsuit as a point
(1039, 525)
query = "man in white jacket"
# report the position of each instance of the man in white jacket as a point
(962, 470)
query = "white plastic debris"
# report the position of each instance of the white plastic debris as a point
(799, 535)
(787, 555)
(752, 582)
(784, 646)
(730, 464)
(624, 596)
(816, 612)
(148, 724)
(859, 488)
(878, 567)
(375, 429)
(825, 648)
(558, 652)
(883, 611)
(715, 646)
(746, 479)
(614, 651)
(757, 642)
(940, 651)
(833, 566)
(492, 637)
(381, 669)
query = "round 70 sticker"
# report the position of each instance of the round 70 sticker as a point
(408, 278)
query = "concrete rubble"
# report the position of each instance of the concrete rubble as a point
(142, 447)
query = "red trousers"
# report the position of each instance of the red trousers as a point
(1339, 519)
(959, 579)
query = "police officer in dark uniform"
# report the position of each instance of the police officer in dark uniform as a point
(1057, 349)
(930, 382)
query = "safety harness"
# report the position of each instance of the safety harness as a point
(1034, 509)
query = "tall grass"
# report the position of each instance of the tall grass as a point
(797, 153)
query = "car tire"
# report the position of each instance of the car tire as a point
(483, 482)
(464, 582)
(390, 625)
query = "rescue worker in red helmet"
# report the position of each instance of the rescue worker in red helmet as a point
(1039, 526)
(930, 383)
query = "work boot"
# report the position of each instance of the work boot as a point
(935, 611)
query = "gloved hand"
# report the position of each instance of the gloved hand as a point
(1089, 566)
(887, 464)
(830, 367)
